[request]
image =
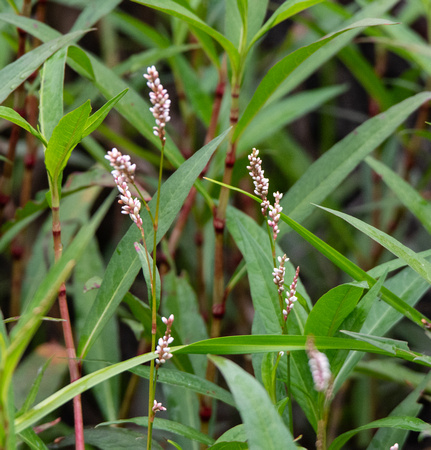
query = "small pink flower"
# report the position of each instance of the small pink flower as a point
(261, 183)
(279, 272)
(291, 297)
(319, 366)
(157, 407)
(163, 349)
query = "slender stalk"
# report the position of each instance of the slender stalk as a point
(74, 365)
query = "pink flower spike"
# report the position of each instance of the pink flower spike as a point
(260, 182)
(319, 366)
(163, 351)
(159, 98)
(274, 214)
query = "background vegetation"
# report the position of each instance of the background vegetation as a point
(335, 96)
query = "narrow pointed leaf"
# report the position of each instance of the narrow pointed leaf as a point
(17, 72)
(281, 70)
(325, 175)
(65, 137)
(415, 261)
(254, 404)
(409, 196)
(14, 117)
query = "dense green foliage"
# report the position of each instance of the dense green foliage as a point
(335, 97)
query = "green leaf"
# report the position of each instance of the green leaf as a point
(51, 92)
(283, 12)
(16, 73)
(124, 264)
(281, 70)
(404, 423)
(14, 117)
(187, 381)
(415, 261)
(80, 57)
(331, 309)
(410, 198)
(386, 344)
(332, 168)
(30, 437)
(353, 270)
(177, 10)
(253, 404)
(93, 12)
(65, 137)
(98, 117)
(408, 407)
(166, 425)
(78, 387)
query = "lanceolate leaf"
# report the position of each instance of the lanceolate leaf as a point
(65, 137)
(324, 176)
(280, 71)
(177, 10)
(283, 12)
(14, 117)
(254, 406)
(410, 198)
(17, 72)
(415, 261)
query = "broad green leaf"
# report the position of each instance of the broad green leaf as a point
(281, 70)
(14, 117)
(176, 10)
(65, 137)
(415, 261)
(353, 270)
(283, 12)
(80, 57)
(124, 264)
(386, 344)
(187, 381)
(230, 445)
(332, 168)
(51, 92)
(404, 423)
(236, 433)
(380, 318)
(410, 198)
(331, 309)
(253, 403)
(98, 117)
(17, 72)
(166, 425)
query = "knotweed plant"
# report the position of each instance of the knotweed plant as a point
(124, 174)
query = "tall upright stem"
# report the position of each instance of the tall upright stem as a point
(74, 366)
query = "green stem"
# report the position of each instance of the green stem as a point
(152, 388)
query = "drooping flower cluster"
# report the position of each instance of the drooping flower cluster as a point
(279, 272)
(319, 366)
(159, 97)
(261, 186)
(124, 173)
(261, 183)
(291, 297)
(163, 349)
(158, 407)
